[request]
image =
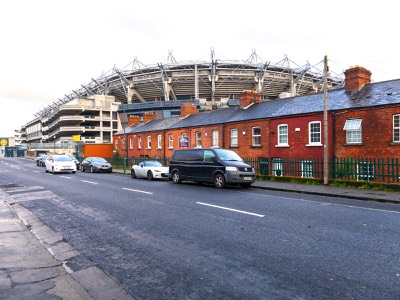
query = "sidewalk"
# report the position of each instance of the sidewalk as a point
(331, 191)
(32, 261)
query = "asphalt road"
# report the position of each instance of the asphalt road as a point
(159, 240)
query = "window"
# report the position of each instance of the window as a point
(314, 133)
(130, 143)
(396, 128)
(353, 131)
(198, 139)
(283, 135)
(170, 141)
(215, 138)
(116, 144)
(256, 133)
(139, 142)
(159, 141)
(234, 137)
(123, 144)
(208, 155)
(149, 142)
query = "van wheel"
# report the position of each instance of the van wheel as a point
(176, 177)
(219, 181)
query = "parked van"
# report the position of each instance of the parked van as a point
(218, 166)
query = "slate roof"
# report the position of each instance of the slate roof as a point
(374, 94)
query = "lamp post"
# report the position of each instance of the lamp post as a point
(326, 148)
(124, 144)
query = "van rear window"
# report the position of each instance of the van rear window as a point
(188, 155)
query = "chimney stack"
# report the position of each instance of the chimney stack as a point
(249, 97)
(133, 120)
(356, 77)
(148, 117)
(188, 108)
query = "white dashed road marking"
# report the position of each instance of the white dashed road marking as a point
(231, 209)
(138, 191)
(91, 182)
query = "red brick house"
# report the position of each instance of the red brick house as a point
(363, 121)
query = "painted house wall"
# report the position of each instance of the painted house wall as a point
(299, 145)
(377, 133)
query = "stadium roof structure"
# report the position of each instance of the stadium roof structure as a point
(211, 80)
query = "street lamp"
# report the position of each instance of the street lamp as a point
(124, 144)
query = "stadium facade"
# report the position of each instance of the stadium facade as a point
(161, 88)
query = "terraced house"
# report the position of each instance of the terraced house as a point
(363, 127)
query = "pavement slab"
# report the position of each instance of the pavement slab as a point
(99, 285)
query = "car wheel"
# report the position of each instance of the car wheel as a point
(150, 175)
(176, 177)
(91, 170)
(133, 174)
(82, 169)
(73, 172)
(52, 170)
(45, 170)
(219, 181)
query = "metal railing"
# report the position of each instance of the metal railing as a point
(382, 170)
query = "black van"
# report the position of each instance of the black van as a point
(218, 166)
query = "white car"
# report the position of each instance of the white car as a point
(59, 163)
(150, 169)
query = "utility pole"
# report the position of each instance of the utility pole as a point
(326, 148)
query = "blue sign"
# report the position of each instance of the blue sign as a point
(183, 142)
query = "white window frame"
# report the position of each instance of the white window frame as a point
(284, 142)
(215, 138)
(159, 141)
(139, 140)
(234, 137)
(312, 134)
(148, 142)
(256, 137)
(170, 141)
(396, 128)
(353, 131)
(130, 143)
(198, 139)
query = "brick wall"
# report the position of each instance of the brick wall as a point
(377, 133)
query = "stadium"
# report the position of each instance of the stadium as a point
(99, 108)
(212, 82)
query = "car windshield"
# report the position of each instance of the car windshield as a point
(227, 155)
(43, 157)
(62, 158)
(153, 164)
(99, 160)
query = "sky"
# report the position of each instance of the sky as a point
(49, 48)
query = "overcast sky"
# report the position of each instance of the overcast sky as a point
(49, 48)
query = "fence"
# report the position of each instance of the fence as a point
(360, 169)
